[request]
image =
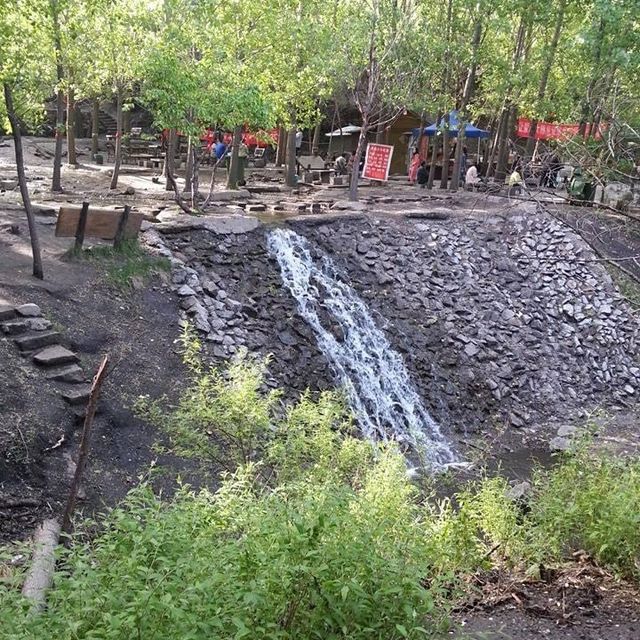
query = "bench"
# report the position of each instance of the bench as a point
(107, 224)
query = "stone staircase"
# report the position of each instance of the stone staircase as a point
(38, 340)
(107, 123)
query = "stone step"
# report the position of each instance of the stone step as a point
(67, 373)
(7, 312)
(37, 340)
(16, 327)
(77, 395)
(29, 310)
(52, 356)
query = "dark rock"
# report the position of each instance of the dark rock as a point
(54, 355)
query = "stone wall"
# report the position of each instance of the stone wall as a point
(503, 321)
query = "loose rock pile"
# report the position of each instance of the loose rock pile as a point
(501, 321)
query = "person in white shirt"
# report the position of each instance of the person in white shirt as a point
(471, 179)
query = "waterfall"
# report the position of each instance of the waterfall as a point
(377, 383)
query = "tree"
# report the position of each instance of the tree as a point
(381, 36)
(25, 75)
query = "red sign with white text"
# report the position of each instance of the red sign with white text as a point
(552, 131)
(377, 161)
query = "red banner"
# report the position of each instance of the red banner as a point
(377, 162)
(552, 131)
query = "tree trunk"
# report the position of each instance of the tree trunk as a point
(380, 133)
(22, 181)
(118, 151)
(95, 120)
(188, 176)
(467, 95)
(232, 180)
(71, 128)
(290, 170)
(503, 149)
(544, 79)
(315, 144)
(56, 182)
(281, 151)
(444, 180)
(435, 144)
(169, 160)
(355, 167)
(455, 178)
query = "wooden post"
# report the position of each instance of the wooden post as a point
(82, 225)
(122, 225)
(84, 444)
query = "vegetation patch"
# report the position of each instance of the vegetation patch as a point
(125, 267)
(314, 533)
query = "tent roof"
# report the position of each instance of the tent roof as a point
(470, 131)
(344, 131)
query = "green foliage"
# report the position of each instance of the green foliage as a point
(124, 267)
(313, 535)
(593, 503)
(309, 559)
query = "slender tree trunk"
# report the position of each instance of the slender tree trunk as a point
(56, 182)
(503, 149)
(355, 166)
(71, 128)
(188, 176)
(444, 180)
(22, 181)
(170, 159)
(118, 150)
(281, 151)
(232, 181)
(291, 164)
(95, 120)
(435, 145)
(544, 79)
(315, 144)
(467, 94)
(380, 133)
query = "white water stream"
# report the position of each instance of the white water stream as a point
(380, 392)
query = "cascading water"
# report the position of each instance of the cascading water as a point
(385, 402)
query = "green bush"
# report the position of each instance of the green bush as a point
(589, 502)
(314, 534)
(308, 559)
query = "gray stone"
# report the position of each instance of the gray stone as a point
(54, 355)
(520, 491)
(186, 290)
(70, 373)
(78, 394)
(37, 340)
(567, 430)
(629, 389)
(560, 444)
(471, 349)
(287, 338)
(30, 310)
(15, 327)
(7, 312)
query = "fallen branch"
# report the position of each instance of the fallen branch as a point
(40, 574)
(84, 444)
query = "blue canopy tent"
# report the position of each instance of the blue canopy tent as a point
(470, 131)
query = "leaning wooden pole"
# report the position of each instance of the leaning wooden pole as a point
(85, 441)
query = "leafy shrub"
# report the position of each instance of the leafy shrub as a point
(308, 559)
(589, 502)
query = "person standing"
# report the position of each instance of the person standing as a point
(422, 177)
(414, 165)
(298, 141)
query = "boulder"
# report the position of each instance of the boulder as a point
(617, 195)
